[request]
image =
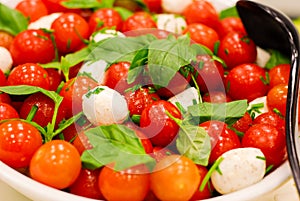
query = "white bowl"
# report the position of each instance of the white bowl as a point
(39, 192)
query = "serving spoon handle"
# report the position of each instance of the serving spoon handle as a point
(271, 29)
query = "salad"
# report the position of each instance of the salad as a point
(138, 100)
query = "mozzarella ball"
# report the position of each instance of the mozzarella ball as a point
(94, 69)
(171, 23)
(186, 98)
(175, 6)
(44, 22)
(104, 106)
(263, 57)
(104, 34)
(6, 60)
(258, 101)
(239, 168)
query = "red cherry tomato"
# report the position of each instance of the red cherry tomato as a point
(279, 74)
(269, 139)
(81, 142)
(244, 123)
(3, 80)
(246, 81)
(18, 142)
(5, 98)
(160, 152)
(33, 9)
(230, 24)
(139, 99)
(115, 77)
(56, 163)
(73, 90)
(105, 18)
(175, 177)
(271, 118)
(237, 48)
(32, 46)
(54, 6)
(216, 97)
(209, 74)
(154, 5)
(70, 29)
(202, 12)
(127, 185)
(6, 39)
(276, 98)
(208, 189)
(7, 111)
(31, 74)
(221, 137)
(55, 78)
(139, 20)
(157, 125)
(202, 34)
(45, 110)
(86, 184)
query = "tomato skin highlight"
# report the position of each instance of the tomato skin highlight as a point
(132, 184)
(56, 163)
(7, 111)
(175, 178)
(18, 142)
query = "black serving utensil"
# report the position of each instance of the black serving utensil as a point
(272, 29)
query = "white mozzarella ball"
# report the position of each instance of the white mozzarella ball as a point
(171, 23)
(262, 57)
(6, 60)
(104, 106)
(175, 6)
(186, 98)
(108, 33)
(258, 111)
(239, 168)
(44, 22)
(94, 69)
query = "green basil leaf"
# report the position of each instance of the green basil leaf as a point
(276, 59)
(137, 65)
(167, 56)
(229, 112)
(88, 4)
(229, 12)
(115, 144)
(54, 64)
(125, 13)
(64, 124)
(12, 21)
(194, 143)
(117, 49)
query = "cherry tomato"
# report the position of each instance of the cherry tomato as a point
(81, 142)
(7, 111)
(18, 142)
(216, 97)
(3, 80)
(276, 98)
(115, 77)
(45, 110)
(70, 29)
(139, 20)
(5, 98)
(105, 18)
(127, 185)
(230, 24)
(279, 74)
(139, 99)
(55, 78)
(160, 152)
(31, 74)
(246, 81)
(86, 184)
(157, 125)
(6, 39)
(221, 137)
(32, 46)
(244, 123)
(202, 12)
(56, 163)
(54, 6)
(271, 118)
(175, 178)
(33, 9)
(208, 189)
(154, 5)
(209, 74)
(269, 139)
(237, 48)
(72, 92)
(202, 34)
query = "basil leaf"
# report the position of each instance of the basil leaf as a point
(194, 143)
(117, 49)
(125, 13)
(12, 21)
(88, 4)
(167, 56)
(276, 59)
(229, 12)
(137, 64)
(229, 112)
(115, 144)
